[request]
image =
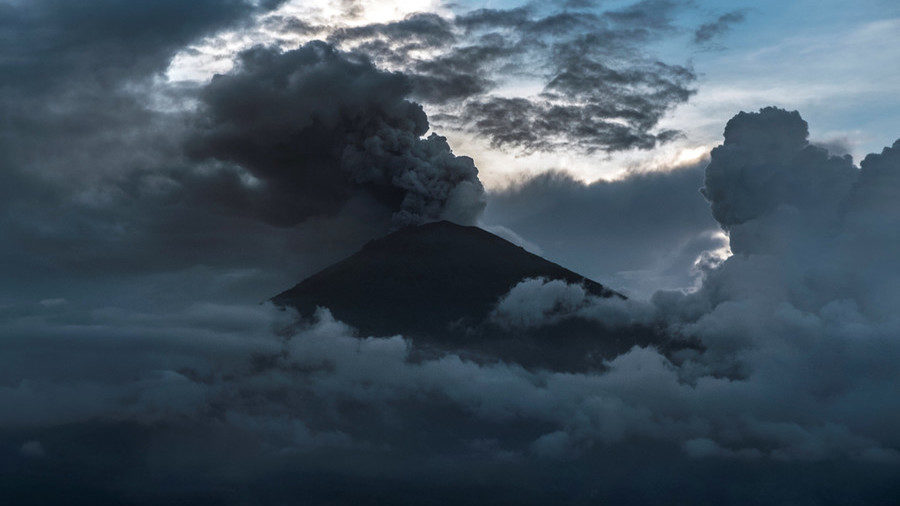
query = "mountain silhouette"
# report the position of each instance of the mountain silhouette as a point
(437, 284)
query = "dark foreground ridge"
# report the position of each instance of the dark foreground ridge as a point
(437, 283)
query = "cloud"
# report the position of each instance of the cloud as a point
(94, 182)
(103, 41)
(600, 89)
(32, 449)
(314, 125)
(708, 31)
(609, 230)
(237, 383)
(293, 391)
(545, 126)
(538, 302)
(767, 164)
(98, 182)
(792, 305)
(790, 321)
(133, 381)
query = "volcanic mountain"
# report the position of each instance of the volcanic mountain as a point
(437, 284)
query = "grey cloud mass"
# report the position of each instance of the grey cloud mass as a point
(799, 318)
(601, 90)
(608, 231)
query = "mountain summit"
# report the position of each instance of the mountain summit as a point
(437, 284)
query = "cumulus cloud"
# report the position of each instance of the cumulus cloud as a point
(766, 164)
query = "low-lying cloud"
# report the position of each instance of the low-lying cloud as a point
(138, 220)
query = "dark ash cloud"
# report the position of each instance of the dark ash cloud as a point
(708, 31)
(97, 183)
(314, 125)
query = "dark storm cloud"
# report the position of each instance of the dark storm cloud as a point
(538, 125)
(315, 125)
(802, 224)
(58, 43)
(601, 90)
(645, 15)
(765, 165)
(708, 31)
(489, 18)
(243, 398)
(606, 230)
(96, 181)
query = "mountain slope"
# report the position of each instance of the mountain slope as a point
(424, 279)
(437, 284)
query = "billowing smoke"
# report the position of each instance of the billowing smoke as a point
(314, 125)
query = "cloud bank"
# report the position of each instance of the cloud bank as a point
(708, 31)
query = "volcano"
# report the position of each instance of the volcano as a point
(437, 284)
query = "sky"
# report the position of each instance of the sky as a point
(832, 60)
(732, 168)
